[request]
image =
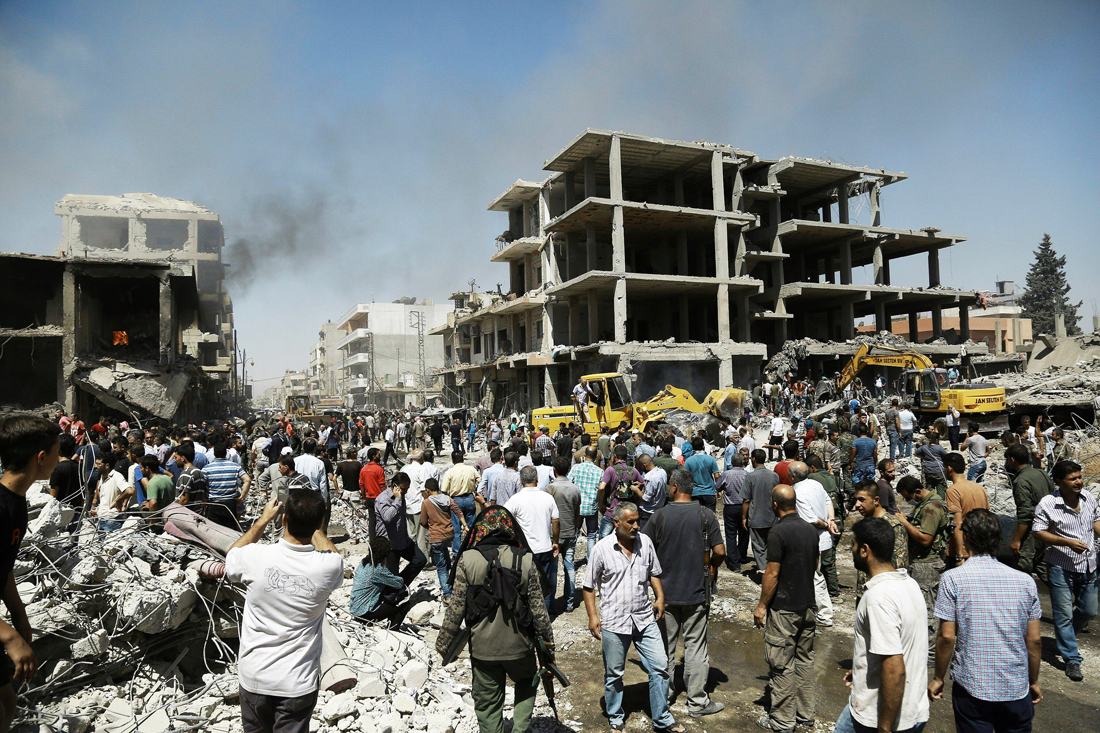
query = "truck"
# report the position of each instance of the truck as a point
(302, 409)
(609, 404)
(925, 387)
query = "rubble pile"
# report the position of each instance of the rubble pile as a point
(1075, 386)
(786, 360)
(135, 632)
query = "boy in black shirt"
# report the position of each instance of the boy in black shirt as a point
(28, 451)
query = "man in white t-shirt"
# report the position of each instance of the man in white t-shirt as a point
(816, 508)
(287, 588)
(889, 676)
(536, 512)
(776, 435)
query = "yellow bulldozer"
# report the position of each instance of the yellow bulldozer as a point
(927, 389)
(609, 404)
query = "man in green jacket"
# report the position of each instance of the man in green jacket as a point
(1029, 486)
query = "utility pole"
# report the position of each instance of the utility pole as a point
(416, 321)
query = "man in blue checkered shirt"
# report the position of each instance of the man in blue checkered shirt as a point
(989, 614)
(586, 476)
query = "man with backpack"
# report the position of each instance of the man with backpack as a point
(615, 486)
(496, 591)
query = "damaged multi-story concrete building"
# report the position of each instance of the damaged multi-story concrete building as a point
(683, 262)
(130, 317)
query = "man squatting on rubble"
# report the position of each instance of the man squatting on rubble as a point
(29, 452)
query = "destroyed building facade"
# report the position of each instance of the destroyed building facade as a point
(682, 262)
(129, 317)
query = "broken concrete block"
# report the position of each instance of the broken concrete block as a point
(404, 703)
(438, 723)
(391, 722)
(91, 646)
(446, 699)
(420, 613)
(338, 707)
(413, 674)
(158, 606)
(90, 570)
(49, 522)
(370, 685)
(418, 720)
(155, 723)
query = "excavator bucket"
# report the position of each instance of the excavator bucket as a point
(725, 403)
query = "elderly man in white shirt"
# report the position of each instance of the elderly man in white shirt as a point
(312, 467)
(815, 507)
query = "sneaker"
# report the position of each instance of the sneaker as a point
(710, 709)
(764, 722)
(808, 723)
(1073, 671)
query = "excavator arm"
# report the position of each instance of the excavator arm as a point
(868, 355)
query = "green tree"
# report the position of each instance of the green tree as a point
(1047, 292)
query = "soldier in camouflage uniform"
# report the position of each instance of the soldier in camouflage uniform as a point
(928, 534)
(842, 468)
(867, 504)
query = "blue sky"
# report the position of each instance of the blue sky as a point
(356, 145)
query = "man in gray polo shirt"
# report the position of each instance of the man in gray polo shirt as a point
(758, 516)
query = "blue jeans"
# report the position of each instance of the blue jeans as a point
(976, 472)
(566, 548)
(468, 507)
(847, 724)
(441, 558)
(592, 531)
(894, 439)
(110, 525)
(607, 526)
(548, 572)
(470, 443)
(906, 443)
(1073, 601)
(651, 649)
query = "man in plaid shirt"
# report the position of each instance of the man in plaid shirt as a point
(586, 476)
(990, 614)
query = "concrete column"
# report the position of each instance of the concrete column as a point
(682, 266)
(744, 328)
(842, 203)
(137, 234)
(846, 262)
(737, 194)
(725, 373)
(740, 268)
(167, 357)
(589, 177)
(593, 319)
(997, 336)
(933, 268)
(192, 243)
(571, 263)
(878, 262)
(685, 320)
(614, 163)
(718, 187)
(827, 212)
(876, 206)
(964, 321)
(847, 320)
(66, 390)
(527, 219)
(618, 241)
(881, 323)
(722, 270)
(914, 327)
(830, 268)
(570, 190)
(574, 322)
(549, 388)
(590, 247)
(937, 321)
(620, 310)
(678, 188)
(885, 270)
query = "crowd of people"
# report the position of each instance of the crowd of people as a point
(933, 583)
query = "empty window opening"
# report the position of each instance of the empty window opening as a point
(104, 232)
(119, 316)
(211, 236)
(29, 371)
(165, 234)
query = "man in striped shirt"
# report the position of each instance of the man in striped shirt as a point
(623, 567)
(227, 486)
(1067, 522)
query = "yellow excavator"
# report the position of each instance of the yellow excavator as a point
(926, 387)
(609, 404)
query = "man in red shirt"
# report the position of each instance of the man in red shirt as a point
(76, 429)
(790, 453)
(372, 482)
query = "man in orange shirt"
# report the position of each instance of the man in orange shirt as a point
(372, 482)
(962, 497)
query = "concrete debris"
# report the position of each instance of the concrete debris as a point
(137, 629)
(123, 386)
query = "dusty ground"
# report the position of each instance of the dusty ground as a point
(738, 672)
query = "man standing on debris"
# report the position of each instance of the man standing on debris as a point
(758, 517)
(537, 515)
(932, 456)
(459, 483)
(1068, 522)
(962, 496)
(28, 452)
(586, 476)
(927, 530)
(227, 484)
(907, 423)
(814, 507)
(1029, 486)
(622, 568)
(689, 547)
(977, 451)
(389, 511)
(989, 614)
(287, 588)
(731, 483)
(786, 612)
(501, 647)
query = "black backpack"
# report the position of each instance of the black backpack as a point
(504, 588)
